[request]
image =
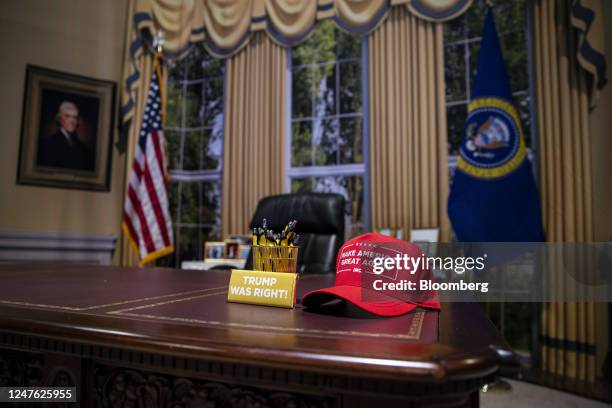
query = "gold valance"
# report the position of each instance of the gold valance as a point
(225, 26)
(586, 17)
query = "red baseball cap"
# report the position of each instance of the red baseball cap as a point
(357, 282)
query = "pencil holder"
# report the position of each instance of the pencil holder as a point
(275, 258)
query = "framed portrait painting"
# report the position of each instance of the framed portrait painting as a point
(214, 250)
(66, 130)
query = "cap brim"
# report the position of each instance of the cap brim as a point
(353, 294)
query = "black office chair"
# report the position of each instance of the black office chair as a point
(320, 224)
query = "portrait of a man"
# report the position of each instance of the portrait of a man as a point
(63, 148)
(66, 130)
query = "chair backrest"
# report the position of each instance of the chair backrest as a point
(320, 224)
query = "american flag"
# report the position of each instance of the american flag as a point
(146, 218)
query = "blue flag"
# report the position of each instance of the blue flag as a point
(493, 197)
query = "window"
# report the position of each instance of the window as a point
(326, 139)
(194, 133)
(462, 37)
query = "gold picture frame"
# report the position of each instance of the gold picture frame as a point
(66, 130)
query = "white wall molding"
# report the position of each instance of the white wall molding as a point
(38, 246)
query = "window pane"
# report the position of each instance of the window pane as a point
(350, 143)
(524, 106)
(210, 201)
(212, 67)
(516, 332)
(475, 18)
(514, 46)
(327, 93)
(302, 92)
(474, 49)
(176, 71)
(174, 149)
(213, 101)
(325, 83)
(192, 150)
(211, 149)
(510, 16)
(193, 105)
(454, 29)
(193, 63)
(211, 233)
(303, 53)
(190, 194)
(456, 116)
(511, 24)
(350, 87)
(301, 143)
(190, 244)
(454, 74)
(173, 188)
(170, 261)
(199, 218)
(356, 210)
(324, 39)
(173, 104)
(349, 46)
(325, 135)
(194, 134)
(301, 185)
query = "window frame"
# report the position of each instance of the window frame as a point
(182, 177)
(353, 169)
(529, 92)
(535, 323)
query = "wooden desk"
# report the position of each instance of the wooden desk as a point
(164, 336)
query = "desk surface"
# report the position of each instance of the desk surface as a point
(185, 313)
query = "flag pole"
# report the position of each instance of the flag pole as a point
(158, 60)
(497, 386)
(158, 47)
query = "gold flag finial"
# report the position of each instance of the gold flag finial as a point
(158, 42)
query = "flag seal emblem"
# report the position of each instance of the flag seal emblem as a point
(493, 145)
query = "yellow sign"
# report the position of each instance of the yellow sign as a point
(262, 288)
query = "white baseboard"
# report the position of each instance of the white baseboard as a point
(38, 246)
